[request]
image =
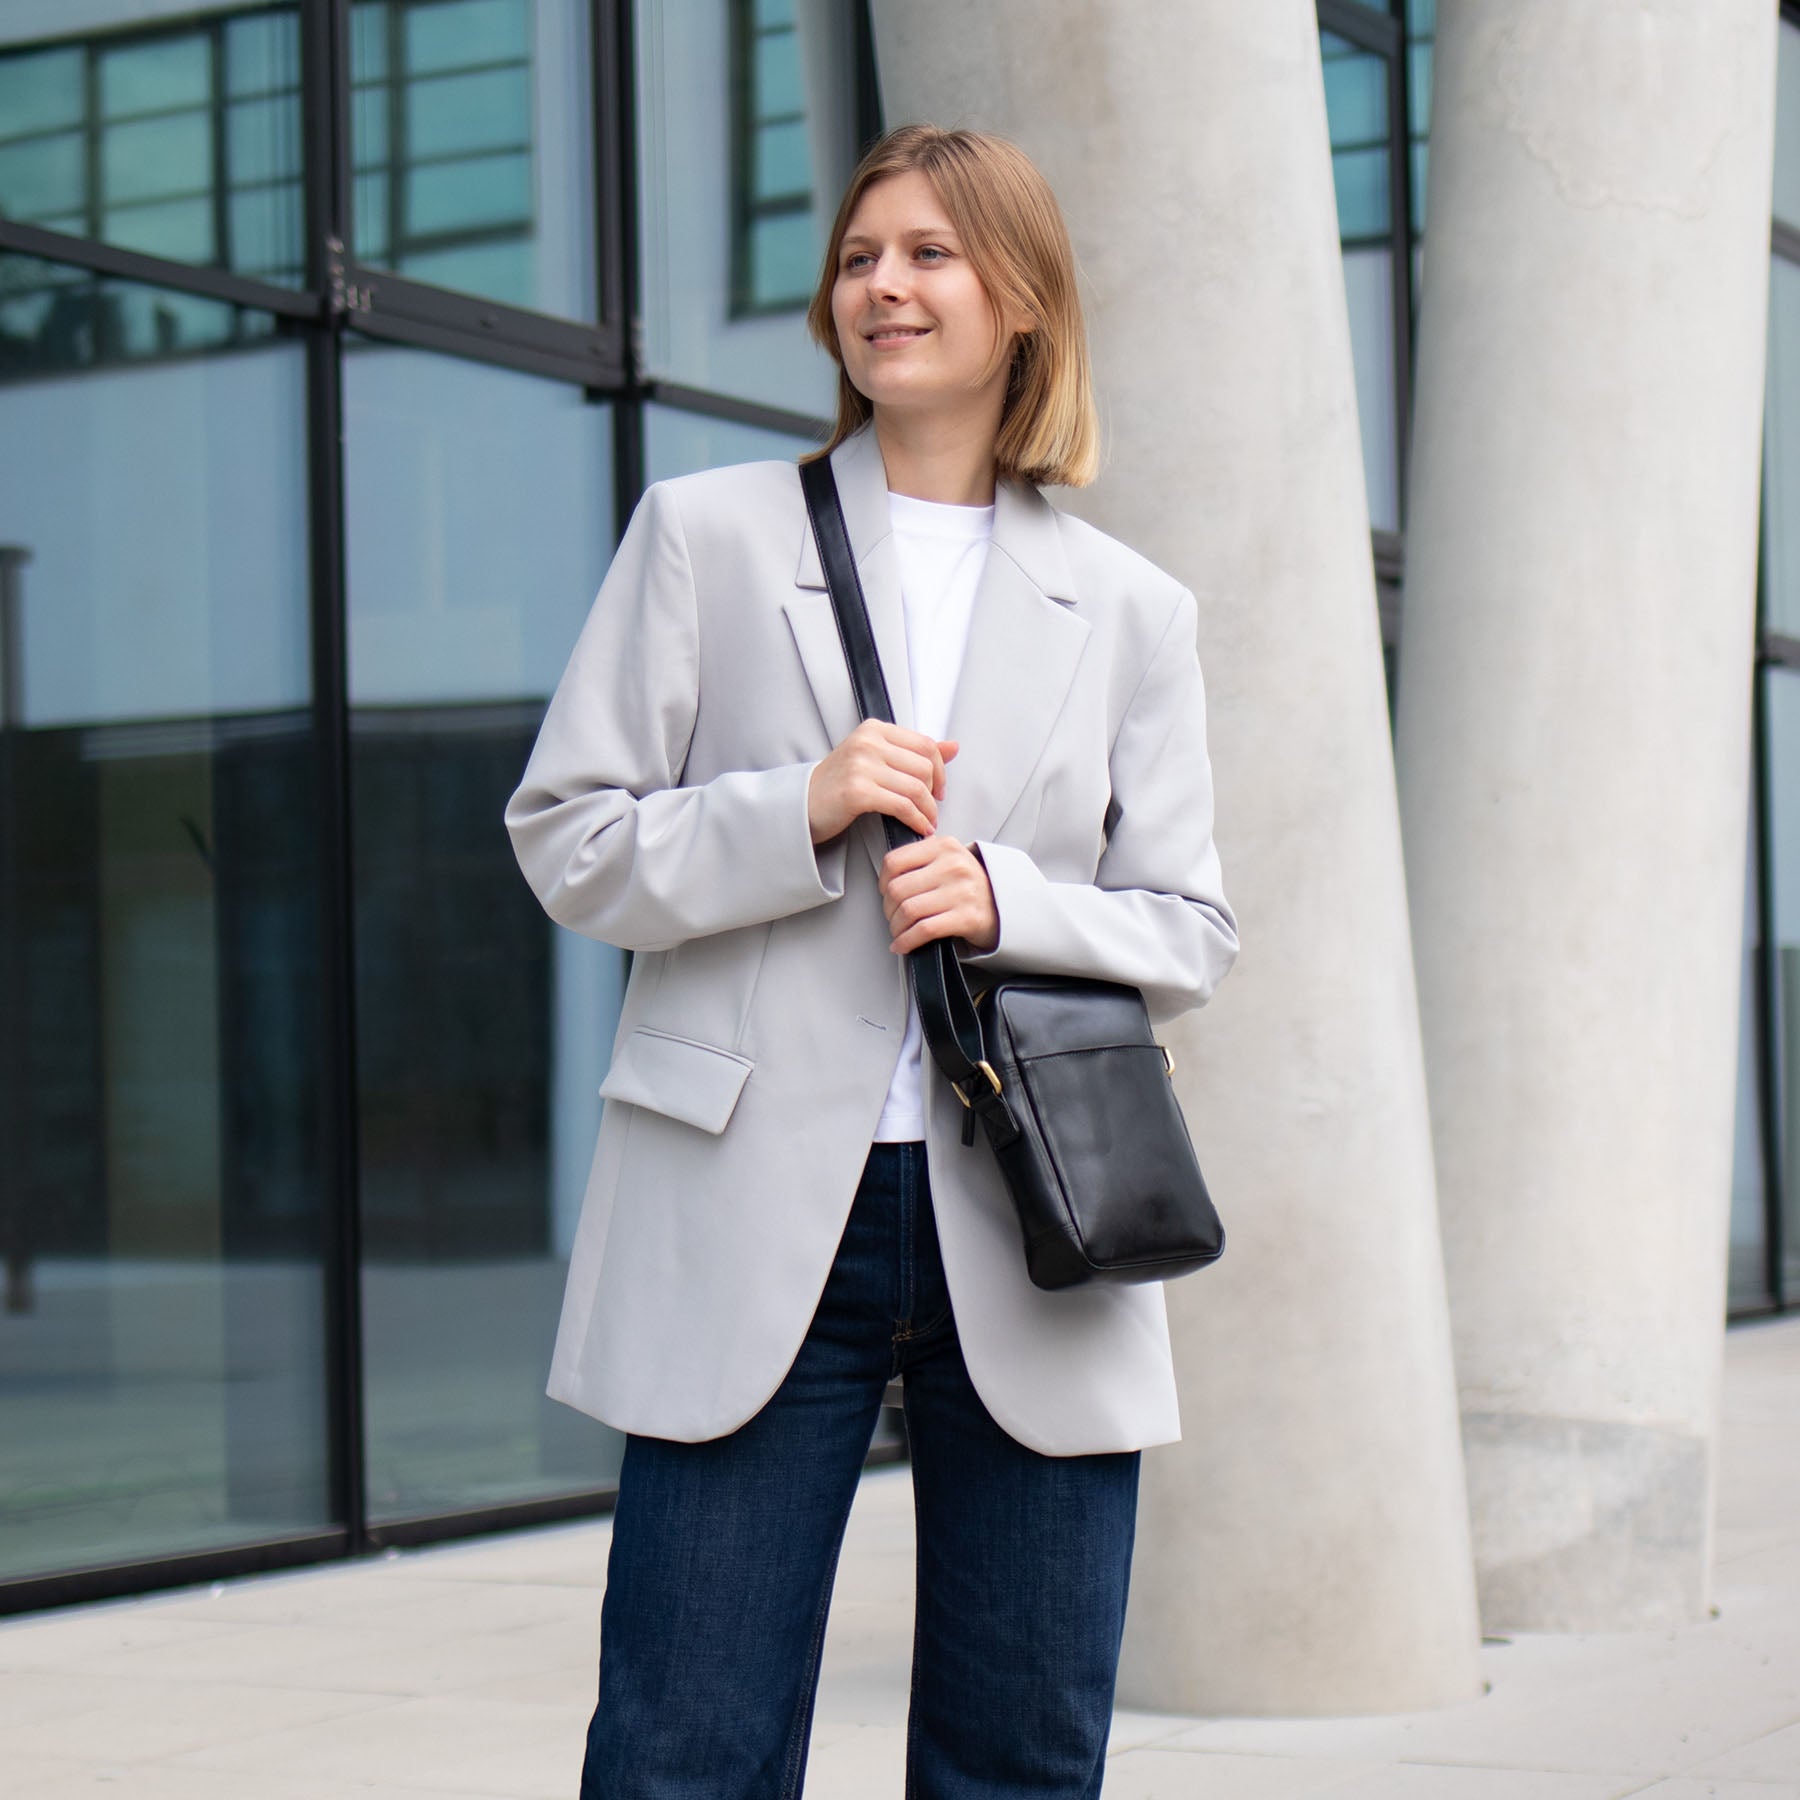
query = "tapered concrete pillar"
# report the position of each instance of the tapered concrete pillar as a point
(1304, 1548)
(1575, 669)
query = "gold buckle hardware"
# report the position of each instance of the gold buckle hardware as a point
(994, 1081)
(1168, 1060)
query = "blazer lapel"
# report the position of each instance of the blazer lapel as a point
(862, 491)
(1025, 640)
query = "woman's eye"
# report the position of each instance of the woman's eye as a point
(932, 250)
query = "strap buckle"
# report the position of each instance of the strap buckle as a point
(987, 1069)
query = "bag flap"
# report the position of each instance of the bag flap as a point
(680, 1077)
(1045, 1017)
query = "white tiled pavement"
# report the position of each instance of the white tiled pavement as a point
(467, 1673)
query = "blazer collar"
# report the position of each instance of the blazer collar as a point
(1025, 523)
(1025, 639)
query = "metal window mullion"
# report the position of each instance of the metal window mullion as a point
(221, 198)
(324, 135)
(1400, 268)
(613, 152)
(1770, 1073)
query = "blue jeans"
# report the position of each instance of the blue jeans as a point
(723, 1555)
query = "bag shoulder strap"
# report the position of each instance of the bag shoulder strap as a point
(947, 1015)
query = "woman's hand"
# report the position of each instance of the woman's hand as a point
(938, 888)
(879, 768)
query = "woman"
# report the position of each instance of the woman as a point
(781, 1215)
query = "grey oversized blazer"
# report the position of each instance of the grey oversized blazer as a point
(664, 810)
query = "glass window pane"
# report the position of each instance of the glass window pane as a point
(1421, 29)
(466, 76)
(708, 259)
(40, 92)
(373, 194)
(783, 163)
(1361, 177)
(157, 73)
(146, 111)
(1355, 92)
(369, 27)
(1787, 126)
(451, 34)
(162, 1387)
(42, 176)
(153, 158)
(263, 138)
(468, 194)
(369, 129)
(1781, 454)
(1356, 108)
(1782, 700)
(451, 115)
(1748, 1284)
(479, 531)
(678, 443)
(264, 225)
(262, 53)
(776, 72)
(1369, 289)
(179, 229)
(785, 259)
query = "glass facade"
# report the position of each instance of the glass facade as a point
(337, 340)
(162, 1198)
(320, 413)
(471, 134)
(178, 136)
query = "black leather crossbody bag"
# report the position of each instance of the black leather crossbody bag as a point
(1071, 1087)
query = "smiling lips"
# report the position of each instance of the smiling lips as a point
(896, 334)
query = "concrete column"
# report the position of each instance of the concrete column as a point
(1304, 1549)
(1575, 673)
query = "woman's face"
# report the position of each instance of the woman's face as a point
(914, 325)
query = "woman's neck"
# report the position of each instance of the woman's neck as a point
(951, 461)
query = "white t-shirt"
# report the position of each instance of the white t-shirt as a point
(940, 549)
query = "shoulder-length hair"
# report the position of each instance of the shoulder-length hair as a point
(1013, 233)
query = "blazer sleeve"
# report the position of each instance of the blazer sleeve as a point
(1155, 914)
(610, 841)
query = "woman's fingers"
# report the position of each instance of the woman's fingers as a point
(882, 768)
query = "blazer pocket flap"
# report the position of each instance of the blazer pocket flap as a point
(696, 1083)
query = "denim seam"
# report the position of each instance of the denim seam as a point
(801, 1728)
(912, 1680)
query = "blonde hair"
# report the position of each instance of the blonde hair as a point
(1013, 233)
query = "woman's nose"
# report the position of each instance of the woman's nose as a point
(887, 278)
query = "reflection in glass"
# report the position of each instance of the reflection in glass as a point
(177, 138)
(1356, 107)
(747, 136)
(162, 1358)
(1356, 102)
(1781, 453)
(776, 242)
(472, 147)
(1782, 701)
(1748, 1285)
(479, 530)
(677, 443)
(1421, 34)
(1787, 125)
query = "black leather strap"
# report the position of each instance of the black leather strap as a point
(940, 990)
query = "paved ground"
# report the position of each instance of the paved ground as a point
(467, 1673)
